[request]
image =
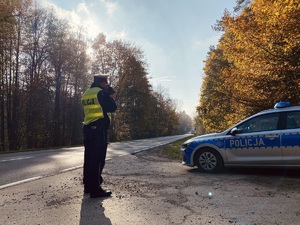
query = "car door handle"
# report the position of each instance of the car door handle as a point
(271, 136)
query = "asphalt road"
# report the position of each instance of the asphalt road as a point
(22, 167)
(150, 188)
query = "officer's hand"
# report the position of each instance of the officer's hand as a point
(110, 90)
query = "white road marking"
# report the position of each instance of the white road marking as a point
(71, 168)
(39, 177)
(7, 160)
(20, 182)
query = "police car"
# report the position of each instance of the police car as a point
(269, 138)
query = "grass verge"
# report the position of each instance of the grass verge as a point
(173, 150)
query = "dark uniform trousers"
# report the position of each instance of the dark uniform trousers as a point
(95, 143)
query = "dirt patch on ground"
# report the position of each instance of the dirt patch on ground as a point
(160, 187)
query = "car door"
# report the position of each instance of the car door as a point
(291, 139)
(257, 141)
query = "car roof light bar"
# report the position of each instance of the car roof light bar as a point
(282, 105)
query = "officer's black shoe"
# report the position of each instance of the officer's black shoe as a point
(100, 193)
(87, 189)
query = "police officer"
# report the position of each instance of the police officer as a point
(97, 103)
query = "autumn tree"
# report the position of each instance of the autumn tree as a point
(59, 55)
(257, 63)
(164, 113)
(264, 48)
(185, 123)
(8, 22)
(141, 112)
(12, 21)
(213, 107)
(134, 93)
(198, 125)
(44, 70)
(36, 90)
(76, 81)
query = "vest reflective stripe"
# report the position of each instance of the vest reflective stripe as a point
(91, 107)
(109, 116)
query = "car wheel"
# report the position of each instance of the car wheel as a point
(209, 161)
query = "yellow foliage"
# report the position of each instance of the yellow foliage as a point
(261, 46)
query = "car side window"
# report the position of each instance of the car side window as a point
(267, 122)
(293, 120)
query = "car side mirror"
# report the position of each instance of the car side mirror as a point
(234, 131)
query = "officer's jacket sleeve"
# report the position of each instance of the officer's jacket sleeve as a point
(108, 103)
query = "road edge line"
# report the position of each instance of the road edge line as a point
(20, 182)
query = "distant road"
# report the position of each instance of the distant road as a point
(26, 166)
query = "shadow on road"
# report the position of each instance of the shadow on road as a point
(282, 172)
(92, 212)
(270, 172)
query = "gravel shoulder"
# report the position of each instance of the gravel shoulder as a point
(150, 188)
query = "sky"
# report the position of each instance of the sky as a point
(175, 36)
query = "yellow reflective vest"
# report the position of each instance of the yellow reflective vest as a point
(91, 107)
